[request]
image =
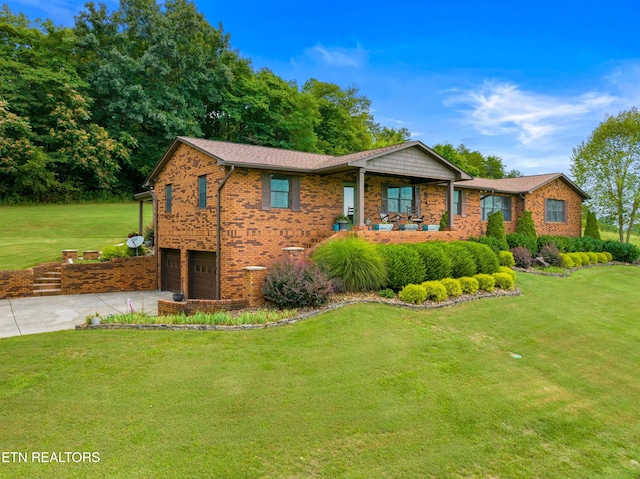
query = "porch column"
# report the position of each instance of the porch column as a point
(359, 219)
(450, 211)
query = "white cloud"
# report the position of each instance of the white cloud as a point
(334, 57)
(504, 109)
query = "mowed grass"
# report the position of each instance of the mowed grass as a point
(34, 234)
(360, 392)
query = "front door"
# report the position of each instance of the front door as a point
(349, 200)
(202, 275)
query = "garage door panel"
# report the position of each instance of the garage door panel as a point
(171, 274)
(202, 275)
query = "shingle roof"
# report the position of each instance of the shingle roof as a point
(519, 185)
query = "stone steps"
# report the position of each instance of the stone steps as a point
(49, 283)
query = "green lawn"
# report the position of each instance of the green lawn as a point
(365, 391)
(33, 234)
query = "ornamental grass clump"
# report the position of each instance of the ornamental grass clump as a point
(485, 282)
(435, 291)
(503, 281)
(469, 285)
(452, 286)
(357, 264)
(413, 293)
(505, 258)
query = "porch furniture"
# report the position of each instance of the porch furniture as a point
(386, 217)
(413, 215)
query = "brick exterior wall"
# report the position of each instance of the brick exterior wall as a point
(192, 306)
(119, 274)
(251, 236)
(16, 283)
(556, 190)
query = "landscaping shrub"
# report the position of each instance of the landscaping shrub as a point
(494, 243)
(469, 285)
(484, 257)
(593, 258)
(525, 225)
(444, 221)
(625, 252)
(485, 282)
(404, 265)
(452, 286)
(561, 242)
(435, 291)
(505, 258)
(584, 257)
(584, 243)
(509, 271)
(120, 251)
(357, 263)
(522, 257)
(462, 261)
(566, 261)
(609, 256)
(503, 281)
(516, 240)
(387, 293)
(550, 254)
(602, 258)
(437, 264)
(495, 226)
(294, 284)
(591, 228)
(576, 258)
(413, 293)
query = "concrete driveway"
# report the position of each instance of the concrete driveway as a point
(54, 313)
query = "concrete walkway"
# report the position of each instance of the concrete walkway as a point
(54, 313)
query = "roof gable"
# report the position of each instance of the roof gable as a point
(519, 185)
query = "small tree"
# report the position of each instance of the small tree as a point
(525, 225)
(495, 226)
(591, 228)
(444, 221)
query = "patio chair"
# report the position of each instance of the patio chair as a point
(413, 216)
(386, 217)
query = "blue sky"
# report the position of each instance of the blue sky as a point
(526, 81)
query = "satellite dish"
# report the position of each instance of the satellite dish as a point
(135, 241)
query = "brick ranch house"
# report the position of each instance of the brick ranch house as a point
(221, 207)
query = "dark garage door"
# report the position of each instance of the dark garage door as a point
(202, 275)
(171, 270)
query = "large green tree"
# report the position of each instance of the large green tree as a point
(607, 167)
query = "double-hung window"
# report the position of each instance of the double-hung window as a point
(492, 203)
(202, 192)
(458, 203)
(397, 198)
(168, 197)
(555, 211)
(280, 191)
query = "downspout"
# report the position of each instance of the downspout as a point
(156, 237)
(219, 228)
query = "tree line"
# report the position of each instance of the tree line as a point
(87, 111)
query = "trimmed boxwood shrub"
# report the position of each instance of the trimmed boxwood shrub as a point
(522, 257)
(469, 285)
(295, 284)
(576, 258)
(485, 282)
(505, 258)
(357, 263)
(484, 257)
(602, 258)
(593, 258)
(503, 281)
(586, 261)
(435, 291)
(462, 261)
(413, 293)
(495, 244)
(566, 261)
(404, 265)
(509, 271)
(452, 286)
(516, 240)
(609, 256)
(625, 252)
(437, 264)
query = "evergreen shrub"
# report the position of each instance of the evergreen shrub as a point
(503, 281)
(462, 262)
(576, 259)
(387, 293)
(413, 293)
(435, 291)
(505, 258)
(586, 261)
(509, 271)
(485, 282)
(624, 252)
(522, 257)
(452, 286)
(437, 264)
(593, 258)
(566, 261)
(357, 263)
(609, 256)
(494, 243)
(296, 284)
(602, 258)
(484, 257)
(516, 240)
(120, 251)
(561, 242)
(404, 265)
(525, 225)
(469, 285)
(591, 228)
(495, 226)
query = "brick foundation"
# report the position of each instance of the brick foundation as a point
(192, 306)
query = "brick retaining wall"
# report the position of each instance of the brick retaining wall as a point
(119, 274)
(16, 283)
(192, 306)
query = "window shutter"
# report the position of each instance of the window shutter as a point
(385, 203)
(295, 193)
(546, 210)
(565, 213)
(463, 202)
(266, 191)
(417, 199)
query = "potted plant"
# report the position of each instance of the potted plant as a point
(342, 222)
(178, 296)
(383, 226)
